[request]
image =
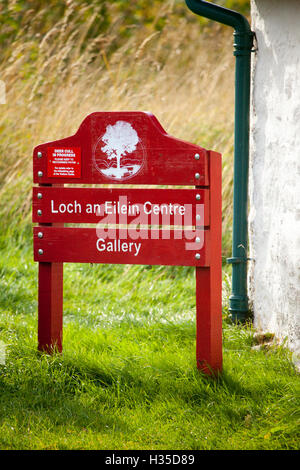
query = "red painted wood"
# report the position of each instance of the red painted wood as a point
(79, 245)
(79, 205)
(50, 305)
(64, 163)
(209, 283)
(157, 158)
(50, 301)
(150, 157)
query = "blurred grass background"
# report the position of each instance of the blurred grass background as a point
(62, 60)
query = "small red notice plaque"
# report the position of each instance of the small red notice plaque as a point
(64, 162)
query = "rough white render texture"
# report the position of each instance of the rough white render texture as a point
(274, 220)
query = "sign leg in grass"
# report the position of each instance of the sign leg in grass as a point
(209, 283)
(50, 303)
(133, 225)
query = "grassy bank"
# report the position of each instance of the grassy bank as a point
(57, 72)
(127, 378)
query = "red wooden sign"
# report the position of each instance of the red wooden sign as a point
(124, 246)
(145, 154)
(132, 225)
(147, 206)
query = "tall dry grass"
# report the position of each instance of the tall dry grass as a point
(182, 73)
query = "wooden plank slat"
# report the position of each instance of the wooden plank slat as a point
(50, 304)
(118, 147)
(88, 245)
(121, 206)
(209, 283)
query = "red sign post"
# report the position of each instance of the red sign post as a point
(134, 225)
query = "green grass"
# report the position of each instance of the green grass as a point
(127, 378)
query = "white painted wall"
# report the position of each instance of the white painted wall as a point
(274, 220)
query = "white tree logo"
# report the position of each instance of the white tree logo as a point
(120, 142)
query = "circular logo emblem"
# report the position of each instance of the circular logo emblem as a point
(119, 153)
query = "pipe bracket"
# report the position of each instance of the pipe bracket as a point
(237, 259)
(243, 42)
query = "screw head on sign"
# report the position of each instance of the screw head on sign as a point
(39, 154)
(197, 176)
(197, 240)
(40, 251)
(197, 255)
(40, 235)
(198, 197)
(197, 156)
(39, 195)
(40, 174)
(198, 217)
(39, 212)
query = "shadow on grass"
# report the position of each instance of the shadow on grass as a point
(97, 384)
(53, 405)
(62, 394)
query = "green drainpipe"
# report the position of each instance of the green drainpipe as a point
(243, 43)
